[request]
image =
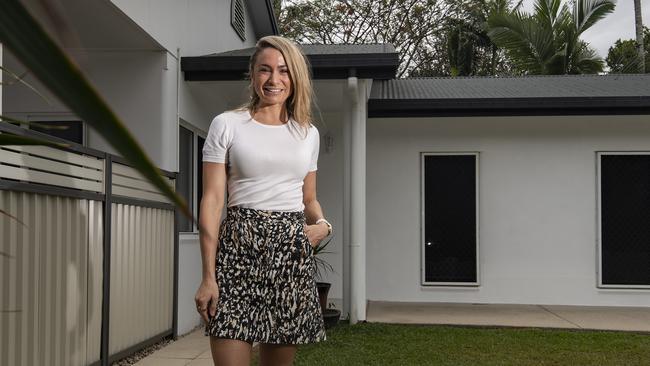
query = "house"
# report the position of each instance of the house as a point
(472, 190)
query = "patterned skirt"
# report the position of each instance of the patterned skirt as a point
(265, 273)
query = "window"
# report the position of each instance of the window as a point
(624, 213)
(450, 219)
(189, 182)
(67, 130)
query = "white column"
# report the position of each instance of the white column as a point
(346, 116)
(357, 120)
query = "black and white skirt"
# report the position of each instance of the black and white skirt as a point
(265, 273)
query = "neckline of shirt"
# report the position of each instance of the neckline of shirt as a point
(264, 124)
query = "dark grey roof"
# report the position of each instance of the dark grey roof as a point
(322, 49)
(573, 94)
(373, 61)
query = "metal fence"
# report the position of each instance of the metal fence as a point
(88, 256)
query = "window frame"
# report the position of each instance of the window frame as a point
(59, 117)
(422, 243)
(599, 229)
(196, 132)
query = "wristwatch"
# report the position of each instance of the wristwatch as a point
(329, 226)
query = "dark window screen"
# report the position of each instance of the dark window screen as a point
(199, 174)
(625, 215)
(450, 218)
(67, 130)
(184, 179)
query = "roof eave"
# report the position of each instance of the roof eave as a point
(542, 106)
(333, 66)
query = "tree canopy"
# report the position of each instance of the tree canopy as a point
(464, 37)
(414, 27)
(623, 57)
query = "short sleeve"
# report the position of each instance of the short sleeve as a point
(218, 141)
(313, 164)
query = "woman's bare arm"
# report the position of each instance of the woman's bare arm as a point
(212, 202)
(313, 211)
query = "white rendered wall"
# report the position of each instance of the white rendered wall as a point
(537, 206)
(135, 84)
(140, 87)
(197, 27)
(329, 188)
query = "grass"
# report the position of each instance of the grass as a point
(388, 344)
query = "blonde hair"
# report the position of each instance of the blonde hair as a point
(299, 102)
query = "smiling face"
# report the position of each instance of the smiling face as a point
(271, 79)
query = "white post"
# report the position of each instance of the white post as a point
(357, 203)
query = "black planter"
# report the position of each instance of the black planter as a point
(331, 317)
(323, 289)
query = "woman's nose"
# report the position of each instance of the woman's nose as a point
(275, 76)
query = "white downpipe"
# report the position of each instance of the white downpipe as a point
(357, 206)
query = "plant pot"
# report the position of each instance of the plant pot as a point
(331, 317)
(323, 290)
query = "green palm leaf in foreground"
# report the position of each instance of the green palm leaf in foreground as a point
(7, 139)
(27, 40)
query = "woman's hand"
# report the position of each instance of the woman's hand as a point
(206, 299)
(316, 233)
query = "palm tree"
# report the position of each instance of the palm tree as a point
(548, 41)
(470, 50)
(639, 35)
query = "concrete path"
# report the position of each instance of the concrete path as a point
(543, 316)
(194, 350)
(191, 350)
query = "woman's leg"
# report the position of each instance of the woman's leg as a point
(230, 352)
(277, 354)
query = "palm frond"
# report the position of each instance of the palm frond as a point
(35, 49)
(546, 12)
(8, 139)
(13, 217)
(322, 266)
(525, 41)
(585, 60)
(587, 12)
(21, 79)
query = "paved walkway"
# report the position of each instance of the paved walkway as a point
(194, 350)
(543, 316)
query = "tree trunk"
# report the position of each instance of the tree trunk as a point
(639, 35)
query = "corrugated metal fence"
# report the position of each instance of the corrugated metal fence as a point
(63, 301)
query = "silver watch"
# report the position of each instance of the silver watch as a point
(329, 226)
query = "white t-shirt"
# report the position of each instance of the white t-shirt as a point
(266, 164)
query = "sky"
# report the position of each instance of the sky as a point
(619, 24)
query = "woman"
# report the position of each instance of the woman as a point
(262, 288)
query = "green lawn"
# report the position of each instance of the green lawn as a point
(384, 344)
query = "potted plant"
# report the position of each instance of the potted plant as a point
(330, 315)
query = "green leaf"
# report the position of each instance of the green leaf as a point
(20, 79)
(27, 40)
(7, 139)
(13, 217)
(588, 12)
